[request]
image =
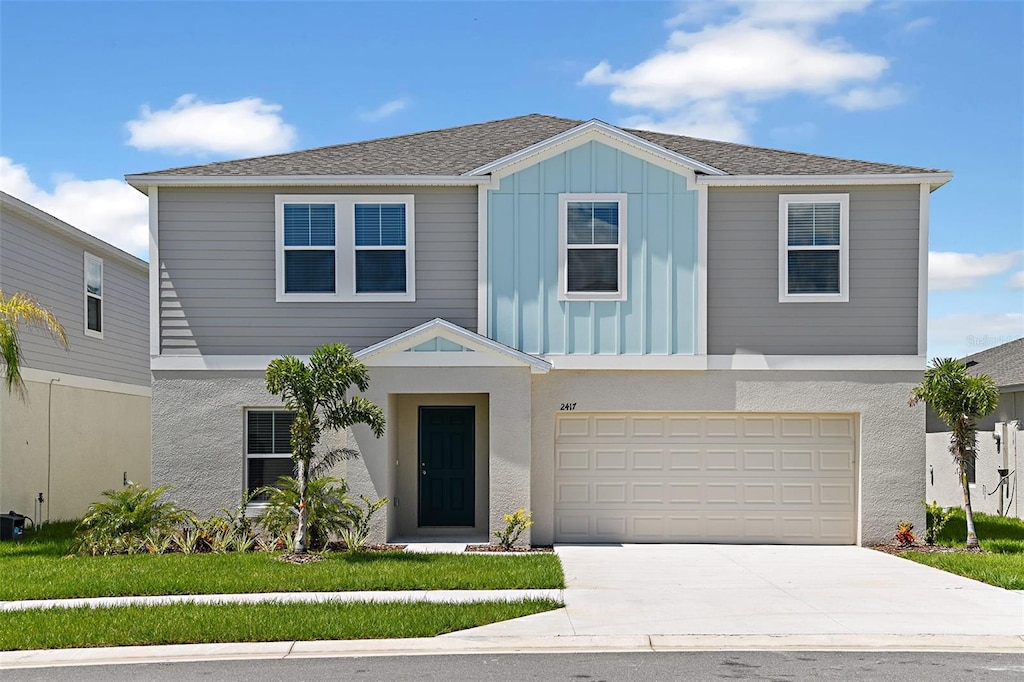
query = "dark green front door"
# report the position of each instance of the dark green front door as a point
(446, 466)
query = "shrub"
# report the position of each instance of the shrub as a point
(937, 517)
(328, 505)
(905, 534)
(355, 535)
(129, 521)
(515, 523)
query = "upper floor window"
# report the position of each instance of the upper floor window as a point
(592, 247)
(345, 248)
(814, 248)
(93, 296)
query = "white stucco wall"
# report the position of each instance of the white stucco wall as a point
(72, 441)
(891, 434)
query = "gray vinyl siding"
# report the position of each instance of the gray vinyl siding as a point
(218, 277)
(744, 313)
(49, 266)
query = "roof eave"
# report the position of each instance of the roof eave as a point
(934, 180)
(142, 182)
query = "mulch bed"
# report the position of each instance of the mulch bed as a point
(929, 549)
(307, 558)
(382, 547)
(514, 550)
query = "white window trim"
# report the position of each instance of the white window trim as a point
(844, 247)
(246, 456)
(85, 296)
(345, 247)
(563, 248)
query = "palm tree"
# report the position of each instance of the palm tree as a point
(17, 311)
(958, 398)
(317, 394)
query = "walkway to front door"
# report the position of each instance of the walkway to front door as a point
(446, 456)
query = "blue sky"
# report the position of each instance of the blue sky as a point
(90, 91)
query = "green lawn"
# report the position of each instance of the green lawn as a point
(191, 623)
(1002, 538)
(44, 571)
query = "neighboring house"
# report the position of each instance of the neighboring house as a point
(640, 337)
(1000, 442)
(84, 426)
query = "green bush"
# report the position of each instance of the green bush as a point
(328, 504)
(937, 517)
(515, 523)
(355, 535)
(126, 520)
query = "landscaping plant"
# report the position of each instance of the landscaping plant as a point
(355, 535)
(16, 311)
(959, 399)
(515, 523)
(328, 510)
(128, 521)
(317, 393)
(937, 516)
(905, 534)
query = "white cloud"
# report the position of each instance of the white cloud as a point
(918, 24)
(861, 99)
(710, 119)
(960, 334)
(108, 209)
(949, 270)
(385, 110)
(1016, 280)
(246, 126)
(751, 52)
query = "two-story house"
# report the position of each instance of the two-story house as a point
(82, 425)
(640, 337)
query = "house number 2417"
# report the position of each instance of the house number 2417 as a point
(567, 407)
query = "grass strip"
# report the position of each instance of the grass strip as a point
(1001, 570)
(46, 572)
(271, 622)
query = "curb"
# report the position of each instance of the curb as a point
(453, 644)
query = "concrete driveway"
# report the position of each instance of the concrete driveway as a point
(764, 590)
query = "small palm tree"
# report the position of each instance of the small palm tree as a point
(959, 399)
(318, 394)
(17, 311)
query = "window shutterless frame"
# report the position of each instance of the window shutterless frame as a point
(275, 453)
(92, 294)
(345, 247)
(842, 202)
(564, 200)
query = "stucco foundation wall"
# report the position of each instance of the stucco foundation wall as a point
(87, 439)
(891, 442)
(198, 431)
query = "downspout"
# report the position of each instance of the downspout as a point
(49, 441)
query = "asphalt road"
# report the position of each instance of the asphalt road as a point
(758, 665)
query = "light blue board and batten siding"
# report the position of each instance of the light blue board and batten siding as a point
(658, 316)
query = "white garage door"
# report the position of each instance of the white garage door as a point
(716, 477)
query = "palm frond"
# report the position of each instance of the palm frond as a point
(328, 460)
(17, 311)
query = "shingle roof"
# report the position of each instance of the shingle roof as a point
(1005, 363)
(454, 151)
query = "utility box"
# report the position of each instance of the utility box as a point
(12, 526)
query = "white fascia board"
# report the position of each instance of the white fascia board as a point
(213, 363)
(628, 362)
(142, 182)
(922, 270)
(40, 376)
(816, 362)
(592, 129)
(154, 271)
(934, 180)
(40, 217)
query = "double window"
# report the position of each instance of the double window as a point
(345, 248)
(592, 247)
(93, 296)
(814, 248)
(268, 450)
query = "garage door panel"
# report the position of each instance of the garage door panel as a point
(741, 477)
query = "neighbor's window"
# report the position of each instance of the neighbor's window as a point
(93, 296)
(592, 232)
(813, 249)
(268, 450)
(309, 249)
(380, 247)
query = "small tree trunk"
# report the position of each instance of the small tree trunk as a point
(300, 530)
(972, 537)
